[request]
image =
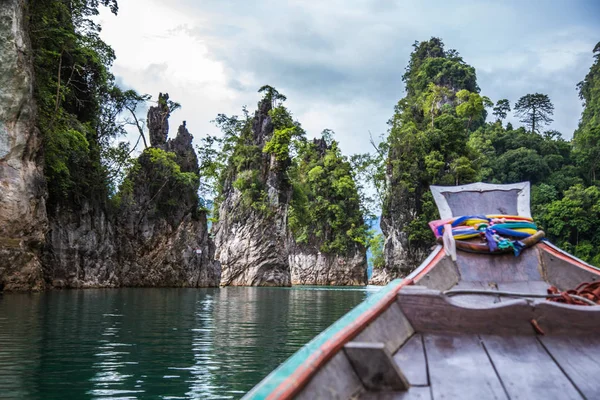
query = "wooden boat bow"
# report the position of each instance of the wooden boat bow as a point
(416, 339)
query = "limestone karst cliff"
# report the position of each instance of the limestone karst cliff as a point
(382, 276)
(327, 233)
(156, 236)
(22, 185)
(165, 234)
(289, 209)
(309, 266)
(427, 144)
(63, 224)
(250, 234)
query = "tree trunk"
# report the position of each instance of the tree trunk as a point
(57, 103)
(139, 127)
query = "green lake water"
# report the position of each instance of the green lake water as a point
(157, 343)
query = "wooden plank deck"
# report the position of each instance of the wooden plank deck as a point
(473, 366)
(578, 357)
(411, 361)
(485, 350)
(526, 370)
(459, 368)
(415, 393)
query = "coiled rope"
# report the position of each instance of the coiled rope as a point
(585, 293)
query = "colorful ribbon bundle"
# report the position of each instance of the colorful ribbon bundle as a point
(495, 230)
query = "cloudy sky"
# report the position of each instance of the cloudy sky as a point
(340, 63)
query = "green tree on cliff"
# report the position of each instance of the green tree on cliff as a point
(502, 109)
(534, 110)
(78, 100)
(587, 135)
(428, 142)
(471, 105)
(325, 207)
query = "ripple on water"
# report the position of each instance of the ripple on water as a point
(157, 343)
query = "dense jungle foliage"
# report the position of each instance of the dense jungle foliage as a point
(439, 135)
(442, 132)
(81, 111)
(324, 206)
(158, 173)
(80, 108)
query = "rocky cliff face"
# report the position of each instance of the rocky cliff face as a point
(432, 73)
(164, 234)
(22, 186)
(157, 237)
(399, 255)
(82, 248)
(400, 209)
(158, 121)
(251, 243)
(309, 266)
(251, 247)
(382, 276)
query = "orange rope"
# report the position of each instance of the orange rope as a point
(587, 290)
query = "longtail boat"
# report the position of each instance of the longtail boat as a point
(467, 323)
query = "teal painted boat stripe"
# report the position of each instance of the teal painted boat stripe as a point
(275, 378)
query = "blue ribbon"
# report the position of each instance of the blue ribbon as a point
(489, 236)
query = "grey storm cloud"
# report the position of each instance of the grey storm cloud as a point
(337, 51)
(340, 63)
(328, 60)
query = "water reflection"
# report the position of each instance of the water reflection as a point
(108, 381)
(19, 352)
(202, 349)
(157, 343)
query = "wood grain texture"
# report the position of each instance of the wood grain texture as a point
(391, 328)
(477, 299)
(526, 370)
(459, 368)
(375, 367)
(430, 311)
(579, 358)
(562, 274)
(411, 360)
(414, 393)
(483, 203)
(535, 287)
(336, 380)
(499, 267)
(442, 277)
(556, 318)
(482, 198)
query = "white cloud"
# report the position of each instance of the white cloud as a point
(340, 62)
(156, 53)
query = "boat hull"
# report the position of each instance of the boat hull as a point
(323, 368)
